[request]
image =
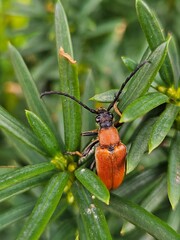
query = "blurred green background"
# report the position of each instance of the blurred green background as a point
(102, 32)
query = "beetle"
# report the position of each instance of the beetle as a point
(110, 152)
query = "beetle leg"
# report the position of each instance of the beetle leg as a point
(93, 165)
(86, 150)
(117, 124)
(90, 133)
(75, 153)
(116, 109)
(89, 147)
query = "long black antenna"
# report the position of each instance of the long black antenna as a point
(124, 84)
(71, 97)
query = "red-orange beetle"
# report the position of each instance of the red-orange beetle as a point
(110, 156)
(110, 153)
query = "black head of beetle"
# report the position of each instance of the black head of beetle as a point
(104, 118)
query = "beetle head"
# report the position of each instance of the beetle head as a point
(104, 118)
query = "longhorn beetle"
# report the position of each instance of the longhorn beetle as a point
(110, 154)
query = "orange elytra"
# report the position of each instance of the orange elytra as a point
(110, 152)
(110, 157)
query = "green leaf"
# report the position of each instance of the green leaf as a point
(162, 126)
(139, 145)
(129, 63)
(151, 201)
(66, 230)
(155, 36)
(142, 105)
(93, 184)
(15, 214)
(141, 82)
(68, 81)
(61, 208)
(141, 218)
(173, 219)
(19, 175)
(102, 29)
(174, 171)
(12, 126)
(44, 133)
(88, 121)
(93, 218)
(88, 8)
(81, 228)
(44, 207)
(175, 61)
(63, 38)
(29, 88)
(25, 185)
(107, 96)
(28, 155)
(156, 196)
(139, 182)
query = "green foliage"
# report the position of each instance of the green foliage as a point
(43, 211)
(68, 81)
(93, 184)
(44, 134)
(93, 219)
(131, 212)
(154, 36)
(59, 199)
(142, 105)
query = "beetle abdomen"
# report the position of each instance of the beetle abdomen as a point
(110, 165)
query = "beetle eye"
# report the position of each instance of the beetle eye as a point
(98, 119)
(111, 115)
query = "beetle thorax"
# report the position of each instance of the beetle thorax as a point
(108, 137)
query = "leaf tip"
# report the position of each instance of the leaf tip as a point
(92, 99)
(9, 44)
(141, 3)
(138, 2)
(10, 47)
(129, 169)
(169, 38)
(151, 148)
(174, 202)
(123, 119)
(27, 112)
(107, 201)
(173, 199)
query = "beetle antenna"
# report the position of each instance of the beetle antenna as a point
(124, 84)
(71, 97)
